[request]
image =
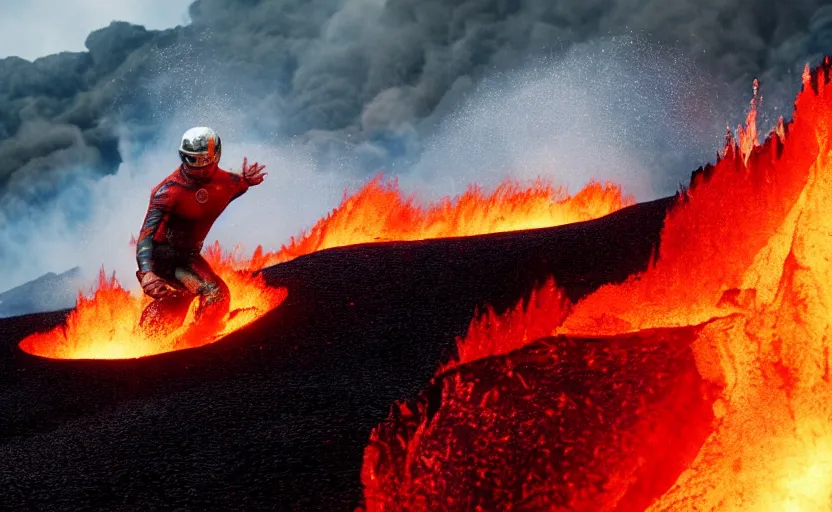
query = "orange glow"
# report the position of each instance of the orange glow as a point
(379, 213)
(105, 326)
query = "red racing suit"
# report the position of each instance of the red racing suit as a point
(182, 211)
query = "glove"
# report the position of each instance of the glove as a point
(252, 173)
(154, 286)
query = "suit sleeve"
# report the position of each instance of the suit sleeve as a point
(239, 184)
(157, 214)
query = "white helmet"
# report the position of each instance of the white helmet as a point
(200, 147)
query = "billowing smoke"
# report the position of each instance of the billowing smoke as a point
(441, 93)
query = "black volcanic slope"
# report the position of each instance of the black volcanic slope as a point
(277, 416)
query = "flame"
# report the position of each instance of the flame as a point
(494, 334)
(378, 212)
(748, 134)
(104, 326)
(745, 265)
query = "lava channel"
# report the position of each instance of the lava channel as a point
(702, 383)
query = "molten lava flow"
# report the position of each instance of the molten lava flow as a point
(378, 212)
(105, 326)
(745, 266)
(772, 447)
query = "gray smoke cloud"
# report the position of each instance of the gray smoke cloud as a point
(441, 93)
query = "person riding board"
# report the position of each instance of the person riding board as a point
(182, 209)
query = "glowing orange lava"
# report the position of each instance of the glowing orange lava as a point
(379, 213)
(745, 265)
(771, 448)
(105, 326)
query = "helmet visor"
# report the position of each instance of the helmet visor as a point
(197, 160)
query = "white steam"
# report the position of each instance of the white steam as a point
(617, 111)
